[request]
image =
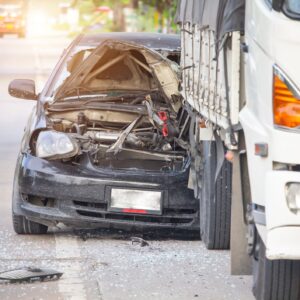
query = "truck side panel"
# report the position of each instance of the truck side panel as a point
(204, 85)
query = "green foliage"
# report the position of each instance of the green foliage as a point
(161, 5)
(152, 15)
(111, 3)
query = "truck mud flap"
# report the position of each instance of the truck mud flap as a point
(240, 260)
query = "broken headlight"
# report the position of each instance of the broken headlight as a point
(55, 145)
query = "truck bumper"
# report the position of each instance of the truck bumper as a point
(283, 243)
(282, 224)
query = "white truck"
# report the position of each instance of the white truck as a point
(241, 84)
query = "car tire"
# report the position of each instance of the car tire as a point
(275, 279)
(215, 200)
(23, 226)
(20, 224)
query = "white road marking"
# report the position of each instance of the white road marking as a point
(71, 286)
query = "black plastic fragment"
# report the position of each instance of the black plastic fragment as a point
(140, 241)
(29, 274)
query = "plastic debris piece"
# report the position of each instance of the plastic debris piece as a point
(30, 274)
(140, 241)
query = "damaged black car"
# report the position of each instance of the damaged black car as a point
(105, 146)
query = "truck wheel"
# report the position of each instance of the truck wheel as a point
(24, 226)
(275, 279)
(215, 201)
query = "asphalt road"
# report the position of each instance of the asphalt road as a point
(102, 265)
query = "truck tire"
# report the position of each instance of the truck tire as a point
(24, 226)
(275, 279)
(215, 200)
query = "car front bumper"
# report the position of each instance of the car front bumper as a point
(79, 196)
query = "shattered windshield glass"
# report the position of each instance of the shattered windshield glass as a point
(78, 55)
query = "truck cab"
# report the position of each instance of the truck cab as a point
(271, 118)
(241, 85)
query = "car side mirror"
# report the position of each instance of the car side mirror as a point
(277, 4)
(23, 88)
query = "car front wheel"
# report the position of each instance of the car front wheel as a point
(24, 226)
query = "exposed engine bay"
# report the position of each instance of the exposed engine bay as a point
(139, 133)
(121, 106)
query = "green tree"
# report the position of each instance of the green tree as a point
(166, 10)
(159, 13)
(118, 11)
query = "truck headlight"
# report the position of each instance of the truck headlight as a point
(292, 193)
(286, 101)
(55, 145)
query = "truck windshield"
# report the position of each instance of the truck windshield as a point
(292, 8)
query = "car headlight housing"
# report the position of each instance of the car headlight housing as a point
(292, 193)
(55, 145)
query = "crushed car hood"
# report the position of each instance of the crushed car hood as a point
(122, 66)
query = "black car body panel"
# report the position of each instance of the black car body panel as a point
(52, 192)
